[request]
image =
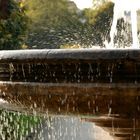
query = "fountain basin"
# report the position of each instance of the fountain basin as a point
(90, 83)
(111, 77)
(71, 66)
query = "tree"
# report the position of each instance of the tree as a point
(54, 23)
(13, 25)
(4, 9)
(100, 19)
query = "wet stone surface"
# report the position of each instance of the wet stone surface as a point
(71, 66)
(102, 87)
(72, 72)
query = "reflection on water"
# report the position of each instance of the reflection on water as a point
(100, 134)
(68, 128)
(17, 126)
(22, 126)
(85, 104)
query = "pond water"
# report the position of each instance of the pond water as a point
(68, 128)
(22, 126)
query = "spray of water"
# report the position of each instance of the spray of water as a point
(121, 6)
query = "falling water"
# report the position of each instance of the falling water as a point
(134, 29)
(119, 8)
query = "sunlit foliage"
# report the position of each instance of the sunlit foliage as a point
(55, 23)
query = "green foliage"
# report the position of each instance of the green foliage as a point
(46, 12)
(100, 20)
(15, 125)
(54, 24)
(13, 30)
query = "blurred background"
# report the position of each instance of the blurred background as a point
(51, 24)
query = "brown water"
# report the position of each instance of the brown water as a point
(73, 111)
(50, 127)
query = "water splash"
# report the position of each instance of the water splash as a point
(120, 7)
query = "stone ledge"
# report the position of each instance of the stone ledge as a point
(68, 54)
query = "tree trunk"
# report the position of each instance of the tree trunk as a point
(4, 14)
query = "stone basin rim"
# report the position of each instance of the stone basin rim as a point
(68, 54)
(83, 85)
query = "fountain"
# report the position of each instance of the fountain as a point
(124, 6)
(98, 85)
(102, 84)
